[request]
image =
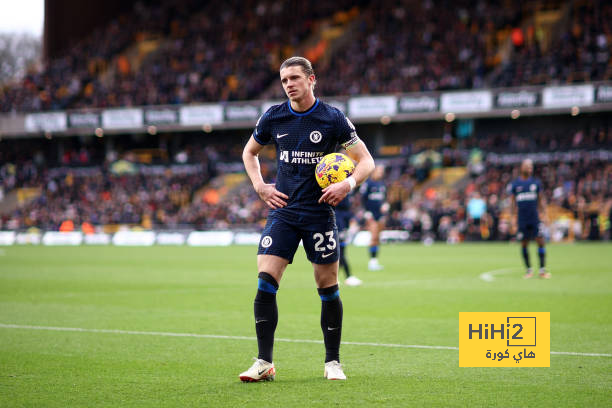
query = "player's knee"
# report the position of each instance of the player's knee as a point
(326, 275)
(267, 283)
(330, 293)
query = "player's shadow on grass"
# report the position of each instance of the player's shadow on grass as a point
(306, 380)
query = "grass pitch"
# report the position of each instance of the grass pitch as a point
(147, 294)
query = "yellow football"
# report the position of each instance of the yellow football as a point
(333, 168)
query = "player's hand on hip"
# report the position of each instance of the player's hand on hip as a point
(271, 196)
(385, 208)
(335, 193)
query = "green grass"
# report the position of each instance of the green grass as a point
(415, 300)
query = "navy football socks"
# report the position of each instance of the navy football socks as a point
(526, 256)
(542, 255)
(374, 251)
(266, 315)
(331, 321)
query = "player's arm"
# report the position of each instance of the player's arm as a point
(268, 192)
(513, 207)
(541, 206)
(513, 214)
(384, 208)
(365, 163)
(336, 192)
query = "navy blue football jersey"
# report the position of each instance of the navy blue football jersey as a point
(301, 140)
(526, 192)
(373, 195)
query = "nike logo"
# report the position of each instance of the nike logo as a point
(283, 135)
(259, 321)
(326, 255)
(262, 371)
(332, 328)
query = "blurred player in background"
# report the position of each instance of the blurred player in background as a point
(374, 194)
(343, 219)
(303, 129)
(526, 200)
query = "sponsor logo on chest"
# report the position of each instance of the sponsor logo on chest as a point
(300, 156)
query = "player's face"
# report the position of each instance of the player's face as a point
(379, 172)
(295, 82)
(527, 168)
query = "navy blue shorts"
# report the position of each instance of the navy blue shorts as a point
(282, 238)
(376, 214)
(529, 231)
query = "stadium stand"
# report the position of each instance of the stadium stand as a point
(579, 50)
(74, 75)
(182, 52)
(184, 189)
(173, 52)
(572, 189)
(178, 52)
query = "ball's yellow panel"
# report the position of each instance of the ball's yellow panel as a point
(333, 168)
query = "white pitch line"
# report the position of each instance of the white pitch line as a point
(219, 336)
(489, 276)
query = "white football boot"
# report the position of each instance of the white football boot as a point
(544, 274)
(333, 371)
(373, 265)
(261, 370)
(353, 281)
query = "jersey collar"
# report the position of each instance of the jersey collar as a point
(308, 112)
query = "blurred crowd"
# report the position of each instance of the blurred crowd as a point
(173, 52)
(579, 53)
(224, 51)
(575, 167)
(71, 80)
(453, 48)
(542, 140)
(101, 198)
(113, 190)
(579, 190)
(188, 187)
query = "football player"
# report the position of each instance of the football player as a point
(526, 199)
(303, 130)
(374, 194)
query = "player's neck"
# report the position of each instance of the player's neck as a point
(303, 104)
